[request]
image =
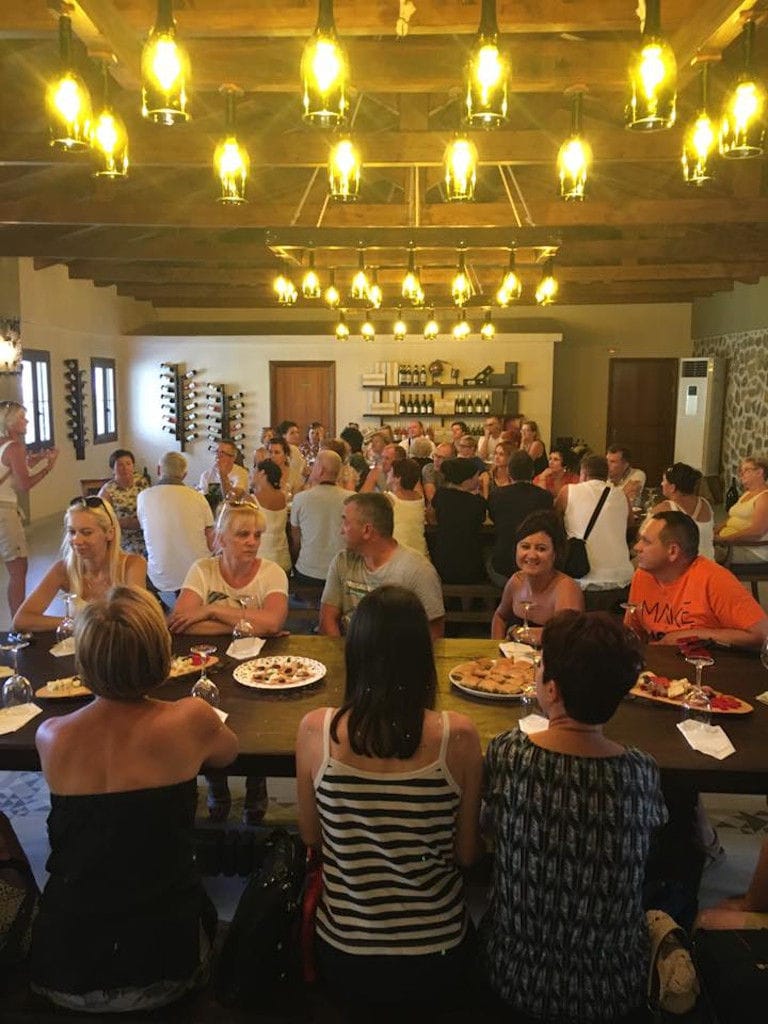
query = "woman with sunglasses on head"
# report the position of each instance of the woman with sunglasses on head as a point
(389, 790)
(678, 485)
(19, 472)
(92, 563)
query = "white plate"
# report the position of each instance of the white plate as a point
(456, 677)
(250, 672)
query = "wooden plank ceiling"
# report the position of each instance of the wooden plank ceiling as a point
(642, 235)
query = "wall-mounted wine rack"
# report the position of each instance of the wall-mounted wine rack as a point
(74, 406)
(179, 394)
(224, 415)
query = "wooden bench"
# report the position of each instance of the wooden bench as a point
(467, 603)
(753, 573)
(303, 606)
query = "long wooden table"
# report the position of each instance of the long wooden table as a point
(266, 722)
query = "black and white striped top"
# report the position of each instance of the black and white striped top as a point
(390, 882)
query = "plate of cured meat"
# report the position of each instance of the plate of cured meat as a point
(281, 672)
(492, 678)
(61, 689)
(662, 690)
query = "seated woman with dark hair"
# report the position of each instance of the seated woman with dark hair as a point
(538, 583)
(124, 921)
(678, 485)
(571, 813)
(389, 790)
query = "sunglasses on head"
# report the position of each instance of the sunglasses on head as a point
(89, 501)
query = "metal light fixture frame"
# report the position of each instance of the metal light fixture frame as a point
(325, 73)
(574, 158)
(67, 98)
(700, 138)
(164, 71)
(742, 125)
(109, 136)
(652, 86)
(486, 100)
(231, 162)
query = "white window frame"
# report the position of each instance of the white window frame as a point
(36, 397)
(104, 399)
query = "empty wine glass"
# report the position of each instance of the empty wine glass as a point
(17, 689)
(528, 699)
(204, 687)
(696, 703)
(66, 627)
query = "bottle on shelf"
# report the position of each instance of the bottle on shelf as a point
(401, 405)
(487, 405)
(408, 375)
(409, 406)
(431, 405)
(401, 374)
(423, 406)
(459, 405)
(423, 375)
(190, 374)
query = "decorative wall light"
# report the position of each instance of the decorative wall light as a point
(332, 296)
(341, 330)
(547, 289)
(460, 163)
(742, 127)
(487, 74)
(310, 282)
(411, 289)
(231, 162)
(700, 139)
(360, 284)
(652, 99)
(399, 327)
(109, 137)
(461, 329)
(431, 327)
(575, 156)
(511, 287)
(461, 286)
(375, 294)
(344, 171)
(164, 71)
(367, 330)
(10, 345)
(324, 72)
(67, 99)
(487, 328)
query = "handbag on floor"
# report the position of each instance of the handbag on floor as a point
(576, 561)
(673, 986)
(733, 965)
(18, 897)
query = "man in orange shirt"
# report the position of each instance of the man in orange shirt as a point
(678, 594)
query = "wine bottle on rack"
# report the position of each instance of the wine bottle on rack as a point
(401, 405)
(423, 375)
(460, 405)
(487, 405)
(423, 406)
(409, 406)
(190, 374)
(400, 374)
(431, 405)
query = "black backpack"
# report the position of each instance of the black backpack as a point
(259, 966)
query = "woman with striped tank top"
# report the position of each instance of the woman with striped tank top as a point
(389, 791)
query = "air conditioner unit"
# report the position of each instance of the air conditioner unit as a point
(700, 398)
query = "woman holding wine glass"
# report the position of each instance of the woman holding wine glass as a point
(538, 590)
(219, 595)
(92, 563)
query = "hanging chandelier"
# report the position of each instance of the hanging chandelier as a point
(109, 137)
(164, 71)
(67, 99)
(575, 156)
(324, 72)
(344, 171)
(487, 74)
(511, 287)
(742, 127)
(332, 296)
(231, 162)
(652, 98)
(460, 164)
(700, 139)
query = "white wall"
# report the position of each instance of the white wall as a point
(743, 309)
(74, 320)
(242, 363)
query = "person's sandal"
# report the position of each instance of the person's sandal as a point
(219, 807)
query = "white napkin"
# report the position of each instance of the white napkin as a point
(533, 723)
(246, 647)
(514, 650)
(14, 718)
(707, 739)
(63, 647)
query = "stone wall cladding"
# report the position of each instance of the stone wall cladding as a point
(745, 430)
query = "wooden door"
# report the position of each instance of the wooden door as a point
(304, 392)
(642, 409)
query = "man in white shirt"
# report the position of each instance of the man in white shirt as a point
(610, 569)
(178, 526)
(231, 478)
(316, 520)
(372, 558)
(622, 474)
(491, 437)
(416, 431)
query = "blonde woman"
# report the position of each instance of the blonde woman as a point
(748, 518)
(92, 563)
(19, 472)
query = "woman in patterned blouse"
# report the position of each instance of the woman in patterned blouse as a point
(564, 939)
(121, 492)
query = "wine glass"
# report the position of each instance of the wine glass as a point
(66, 627)
(16, 689)
(695, 702)
(522, 634)
(528, 698)
(204, 687)
(243, 628)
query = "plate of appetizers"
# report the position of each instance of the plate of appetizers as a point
(672, 691)
(67, 686)
(492, 678)
(280, 672)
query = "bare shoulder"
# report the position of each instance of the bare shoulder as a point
(311, 724)
(462, 729)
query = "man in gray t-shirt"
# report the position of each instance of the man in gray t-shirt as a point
(373, 558)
